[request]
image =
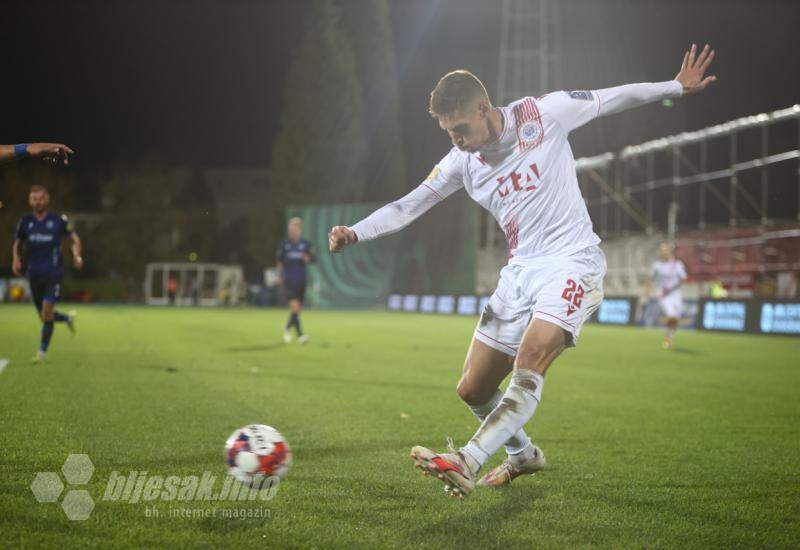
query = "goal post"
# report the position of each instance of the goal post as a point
(188, 284)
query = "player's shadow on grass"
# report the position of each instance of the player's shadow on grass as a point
(165, 368)
(245, 349)
(686, 351)
(484, 524)
(319, 379)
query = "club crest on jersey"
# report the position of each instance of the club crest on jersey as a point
(528, 132)
(529, 124)
(49, 224)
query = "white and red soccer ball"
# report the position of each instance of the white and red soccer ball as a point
(257, 452)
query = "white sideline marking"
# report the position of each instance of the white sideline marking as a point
(3, 364)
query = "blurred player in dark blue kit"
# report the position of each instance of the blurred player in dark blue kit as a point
(54, 152)
(43, 231)
(293, 255)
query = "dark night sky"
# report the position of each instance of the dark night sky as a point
(201, 81)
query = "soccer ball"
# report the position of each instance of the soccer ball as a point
(257, 452)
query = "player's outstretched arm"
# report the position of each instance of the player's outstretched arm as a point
(386, 220)
(340, 237)
(693, 69)
(574, 109)
(54, 152)
(690, 79)
(77, 259)
(16, 262)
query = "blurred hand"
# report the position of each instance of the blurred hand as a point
(340, 237)
(54, 152)
(16, 267)
(306, 258)
(693, 69)
(77, 261)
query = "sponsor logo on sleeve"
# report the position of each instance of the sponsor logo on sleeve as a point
(434, 173)
(585, 95)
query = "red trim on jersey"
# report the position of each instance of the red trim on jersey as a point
(599, 102)
(512, 234)
(432, 190)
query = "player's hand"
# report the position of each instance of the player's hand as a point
(693, 68)
(77, 262)
(54, 152)
(307, 258)
(16, 267)
(340, 237)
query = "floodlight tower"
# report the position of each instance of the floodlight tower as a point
(529, 60)
(529, 64)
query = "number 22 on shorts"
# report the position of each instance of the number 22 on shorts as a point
(573, 294)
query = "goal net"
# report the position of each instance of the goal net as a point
(188, 284)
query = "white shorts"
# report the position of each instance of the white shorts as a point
(672, 305)
(564, 291)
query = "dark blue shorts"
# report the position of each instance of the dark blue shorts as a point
(45, 288)
(295, 290)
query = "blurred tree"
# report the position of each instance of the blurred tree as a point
(152, 213)
(367, 25)
(264, 235)
(320, 150)
(253, 240)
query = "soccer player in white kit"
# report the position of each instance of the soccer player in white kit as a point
(516, 162)
(668, 273)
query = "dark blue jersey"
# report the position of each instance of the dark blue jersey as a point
(43, 238)
(291, 254)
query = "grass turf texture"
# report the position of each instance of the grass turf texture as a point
(694, 447)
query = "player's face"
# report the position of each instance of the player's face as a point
(39, 201)
(468, 129)
(295, 231)
(665, 252)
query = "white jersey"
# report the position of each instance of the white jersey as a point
(527, 177)
(668, 275)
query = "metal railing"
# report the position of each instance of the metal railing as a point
(644, 187)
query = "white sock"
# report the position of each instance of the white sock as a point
(518, 446)
(515, 409)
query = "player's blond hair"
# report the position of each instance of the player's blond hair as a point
(455, 91)
(296, 221)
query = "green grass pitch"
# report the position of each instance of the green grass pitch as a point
(696, 447)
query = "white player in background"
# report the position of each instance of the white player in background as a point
(516, 162)
(668, 273)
